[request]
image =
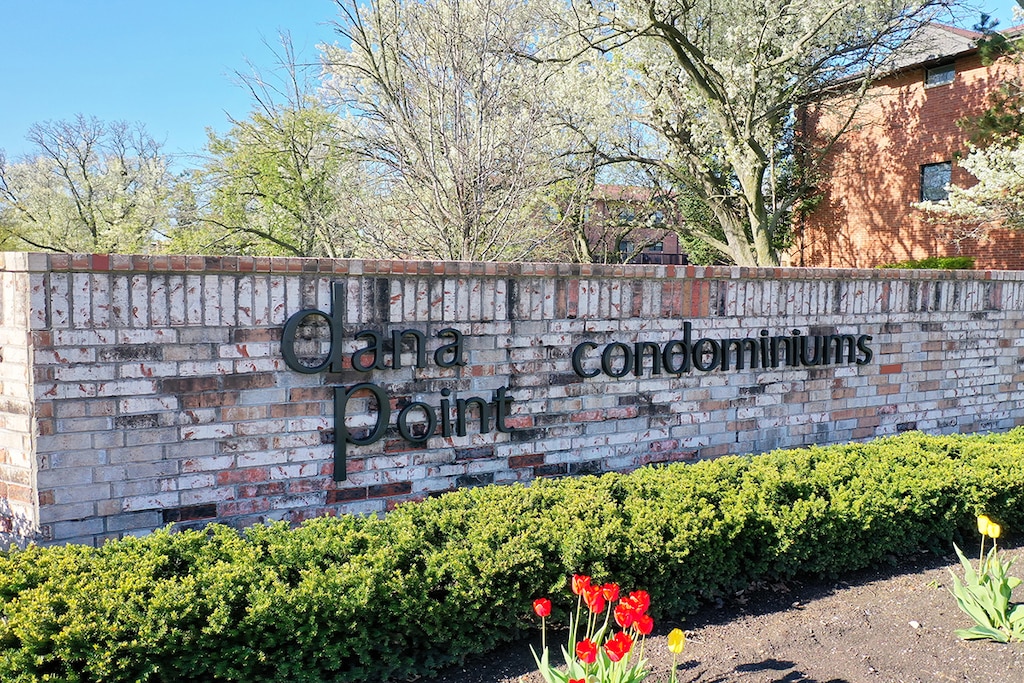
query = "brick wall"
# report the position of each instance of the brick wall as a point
(18, 503)
(141, 391)
(873, 174)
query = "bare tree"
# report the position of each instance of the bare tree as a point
(464, 137)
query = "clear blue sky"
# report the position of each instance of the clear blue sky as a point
(167, 64)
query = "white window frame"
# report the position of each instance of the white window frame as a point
(939, 75)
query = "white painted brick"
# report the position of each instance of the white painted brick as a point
(261, 302)
(151, 502)
(177, 310)
(214, 431)
(194, 305)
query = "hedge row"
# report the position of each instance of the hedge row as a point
(936, 263)
(367, 599)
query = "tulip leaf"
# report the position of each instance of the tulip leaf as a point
(982, 633)
(969, 575)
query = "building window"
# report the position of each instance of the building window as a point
(939, 75)
(657, 246)
(934, 180)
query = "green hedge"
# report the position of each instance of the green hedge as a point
(936, 263)
(366, 599)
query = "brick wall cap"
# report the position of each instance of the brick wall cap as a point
(213, 265)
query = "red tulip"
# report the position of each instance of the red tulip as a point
(577, 680)
(610, 591)
(618, 646)
(645, 624)
(580, 582)
(641, 601)
(624, 615)
(586, 651)
(542, 606)
(595, 601)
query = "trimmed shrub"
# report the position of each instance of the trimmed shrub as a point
(368, 599)
(936, 263)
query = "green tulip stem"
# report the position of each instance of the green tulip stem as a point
(573, 625)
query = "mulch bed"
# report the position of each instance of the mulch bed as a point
(888, 625)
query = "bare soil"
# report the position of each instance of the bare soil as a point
(891, 625)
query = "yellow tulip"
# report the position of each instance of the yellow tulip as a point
(983, 523)
(994, 530)
(676, 641)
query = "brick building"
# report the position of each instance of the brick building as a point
(629, 224)
(902, 149)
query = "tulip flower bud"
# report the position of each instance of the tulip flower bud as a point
(676, 641)
(983, 522)
(994, 530)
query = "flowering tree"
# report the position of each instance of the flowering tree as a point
(723, 81)
(91, 186)
(996, 199)
(470, 137)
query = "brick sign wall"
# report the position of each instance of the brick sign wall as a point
(141, 391)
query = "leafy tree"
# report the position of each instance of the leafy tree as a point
(1005, 115)
(278, 182)
(469, 137)
(90, 186)
(723, 82)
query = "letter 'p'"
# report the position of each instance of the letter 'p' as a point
(343, 437)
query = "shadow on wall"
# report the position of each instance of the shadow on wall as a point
(872, 178)
(15, 528)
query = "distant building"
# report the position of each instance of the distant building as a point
(903, 148)
(629, 224)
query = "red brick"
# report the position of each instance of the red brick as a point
(250, 506)
(245, 475)
(295, 409)
(187, 385)
(256, 380)
(346, 495)
(311, 394)
(209, 399)
(530, 460)
(274, 488)
(865, 217)
(398, 488)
